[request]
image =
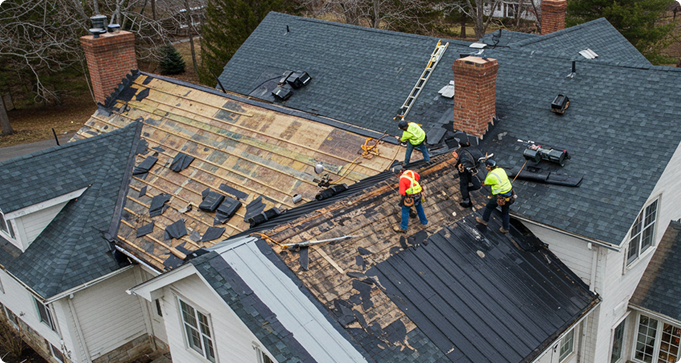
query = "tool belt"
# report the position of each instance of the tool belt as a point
(409, 199)
(506, 198)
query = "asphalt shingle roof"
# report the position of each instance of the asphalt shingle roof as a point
(619, 105)
(659, 289)
(72, 249)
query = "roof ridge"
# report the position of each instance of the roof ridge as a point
(364, 28)
(561, 32)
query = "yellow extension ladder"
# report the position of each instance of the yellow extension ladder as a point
(432, 63)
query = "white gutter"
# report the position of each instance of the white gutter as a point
(607, 245)
(567, 331)
(87, 284)
(655, 314)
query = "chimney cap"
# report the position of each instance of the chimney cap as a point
(98, 21)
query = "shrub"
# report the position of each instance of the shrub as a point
(172, 62)
(10, 339)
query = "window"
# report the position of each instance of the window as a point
(6, 226)
(657, 345)
(197, 330)
(617, 342)
(2, 288)
(11, 316)
(567, 345)
(45, 314)
(262, 356)
(56, 353)
(642, 232)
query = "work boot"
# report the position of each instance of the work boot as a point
(481, 221)
(502, 230)
(466, 203)
(399, 229)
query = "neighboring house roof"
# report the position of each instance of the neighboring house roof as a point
(72, 250)
(257, 153)
(362, 76)
(458, 292)
(659, 289)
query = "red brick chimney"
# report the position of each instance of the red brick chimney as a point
(110, 57)
(552, 15)
(475, 82)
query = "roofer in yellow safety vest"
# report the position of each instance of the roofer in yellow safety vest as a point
(502, 195)
(415, 137)
(411, 192)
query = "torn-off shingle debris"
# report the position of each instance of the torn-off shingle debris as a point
(145, 229)
(175, 230)
(226, 210)
(158, 206)
(212, 233)
(145, 166)
(181, 162)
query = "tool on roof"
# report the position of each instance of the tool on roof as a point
(535, 152)
(432, 63)
(293, 246)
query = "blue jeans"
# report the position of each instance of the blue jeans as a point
(422, 147)
(405, 215)
(492, 204)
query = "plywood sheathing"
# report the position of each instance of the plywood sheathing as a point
(256, 150)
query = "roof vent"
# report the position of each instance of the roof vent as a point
(99, 23)
(560, 104)
(477, 45)
(448, 90)
(588, 54)
(298, 79)
(283, 92)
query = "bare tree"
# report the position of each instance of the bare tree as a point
(41, 38)
(373, 13)
(4, 119)
(479, 10)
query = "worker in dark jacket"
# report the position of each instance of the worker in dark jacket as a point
(415, 137)
(502, 195)
(468, 161)
(411, 192)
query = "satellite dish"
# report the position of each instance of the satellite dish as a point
(319, 168)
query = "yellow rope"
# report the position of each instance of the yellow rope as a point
(265, 237)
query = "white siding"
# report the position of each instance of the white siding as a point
(157, 321)
(69, 332)
(574, 252)
(108, 316)
(233, 340)
(33, 224)
(20, 302)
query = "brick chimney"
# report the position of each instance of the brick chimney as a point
(110, 57)
(475, 82)
(552, 15)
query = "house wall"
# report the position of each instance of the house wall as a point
(233, 340)
(110, 319)
(157, 321)
(612, 279)
(20, 301)
(31, 225)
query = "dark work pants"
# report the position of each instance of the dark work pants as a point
(505, 217)
(464, 179)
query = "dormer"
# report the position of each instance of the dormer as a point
(22, 226)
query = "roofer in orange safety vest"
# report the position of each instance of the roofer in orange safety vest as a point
(411, 192)
(415, 137)
(502, 195)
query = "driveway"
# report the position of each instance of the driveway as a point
(11, 152)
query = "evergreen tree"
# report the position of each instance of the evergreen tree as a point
(228, 24)
(172, 62)
(640, 21)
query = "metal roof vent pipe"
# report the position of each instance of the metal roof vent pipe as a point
(99, 24)
(574, 71)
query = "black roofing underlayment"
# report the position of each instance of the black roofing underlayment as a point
(145, 165)
(212, 233)
(235, 192)
(175, 230)
(468, 287)
(158, 205)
